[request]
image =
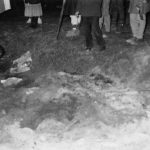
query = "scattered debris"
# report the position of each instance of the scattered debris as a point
(22, 64)
(11, 81)
(31, 90)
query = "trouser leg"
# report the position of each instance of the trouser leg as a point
(97, 33)
(134, 24)
(106, 15)
(114, 13)
(34, 22)
(86, 30)
(120, 8)
(107, 23)
(141, 27)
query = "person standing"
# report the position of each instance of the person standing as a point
(90, 10)
(105, 19)
(33, 10)
(138, 10)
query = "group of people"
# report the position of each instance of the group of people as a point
(98, 17)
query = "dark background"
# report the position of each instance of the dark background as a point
(50, 7)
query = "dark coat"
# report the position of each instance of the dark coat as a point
(90, 7)
(33, 1)
(70, 7)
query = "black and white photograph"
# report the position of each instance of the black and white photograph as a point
(74, 74)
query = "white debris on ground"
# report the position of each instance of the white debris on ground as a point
(22, 64)
(11, 81)
(110, 117)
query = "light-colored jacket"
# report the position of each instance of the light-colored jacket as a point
(143, 5)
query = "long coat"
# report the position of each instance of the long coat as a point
(90, 7)
(70, 7)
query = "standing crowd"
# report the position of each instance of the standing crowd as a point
(101, 17)
(96, 18)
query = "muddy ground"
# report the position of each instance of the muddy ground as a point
(69, 99)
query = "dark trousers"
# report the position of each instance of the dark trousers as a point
(89, 27)
(117, 11)
(34, 22)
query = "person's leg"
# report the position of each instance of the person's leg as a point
(34, 22)
(141, 28)
(27, 13)
(39, 20)
(86, 31)
(113, 12)
(121, 15)
(29, 20)
(121, 12)
(101, 22)
(98, 33)
(126, 20)
(106, 15)
(134, 28)
(107, 23)
(134, 24)
(39, 13)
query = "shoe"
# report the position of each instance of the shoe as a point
(132, 41)
(39, 20)
(29, 21)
